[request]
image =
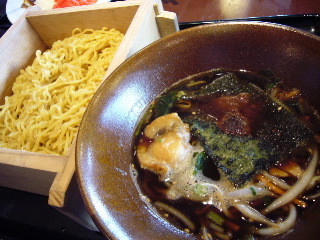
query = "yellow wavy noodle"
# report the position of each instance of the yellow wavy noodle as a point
(50, 96)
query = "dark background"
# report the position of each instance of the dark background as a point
(4, 22)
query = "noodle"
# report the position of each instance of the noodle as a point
(50, 96)
(282, 226)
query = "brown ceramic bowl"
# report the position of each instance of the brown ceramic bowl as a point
(104, 147)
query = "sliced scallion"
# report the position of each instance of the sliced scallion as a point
(216, 218)
(200, 158)
(254, 193)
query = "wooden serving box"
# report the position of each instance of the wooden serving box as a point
(142, 22)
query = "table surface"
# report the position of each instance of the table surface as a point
(203, 10)
(24, 215)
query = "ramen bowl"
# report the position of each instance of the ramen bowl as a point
(104, 152)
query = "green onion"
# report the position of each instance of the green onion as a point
(200, 190)
(200, 158)
(254, 193)
(216, 218)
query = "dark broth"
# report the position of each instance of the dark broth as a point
(250, 115)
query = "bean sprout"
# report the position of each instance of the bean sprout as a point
(297, 188)
(177, 214)
(282, 226)
(252, 213)
(277, 181)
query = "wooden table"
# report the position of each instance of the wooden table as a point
(203, 10)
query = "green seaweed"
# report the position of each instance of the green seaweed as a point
(200, 161)
(284, 131)
(277, 133)
(164, 104)
(238, 157)
(227, 84)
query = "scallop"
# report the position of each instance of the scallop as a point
(169, 154)
(169, 145)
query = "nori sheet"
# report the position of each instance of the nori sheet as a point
(241, 157)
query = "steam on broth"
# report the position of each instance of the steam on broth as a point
(229, 154)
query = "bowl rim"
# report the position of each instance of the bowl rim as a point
(91, 205)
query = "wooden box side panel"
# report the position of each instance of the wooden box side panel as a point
(26, 179)
(27, 171)
(57, 24)
(17, 46)
(39, 161)
(142, 32)
(61, 183)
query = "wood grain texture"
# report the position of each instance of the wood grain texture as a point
(42, 173)
(56, 24)
(26, 179)
(32, 160)
(61, 183)
(167, 23)
(17, 46)
(143, 29)
(48, 174)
